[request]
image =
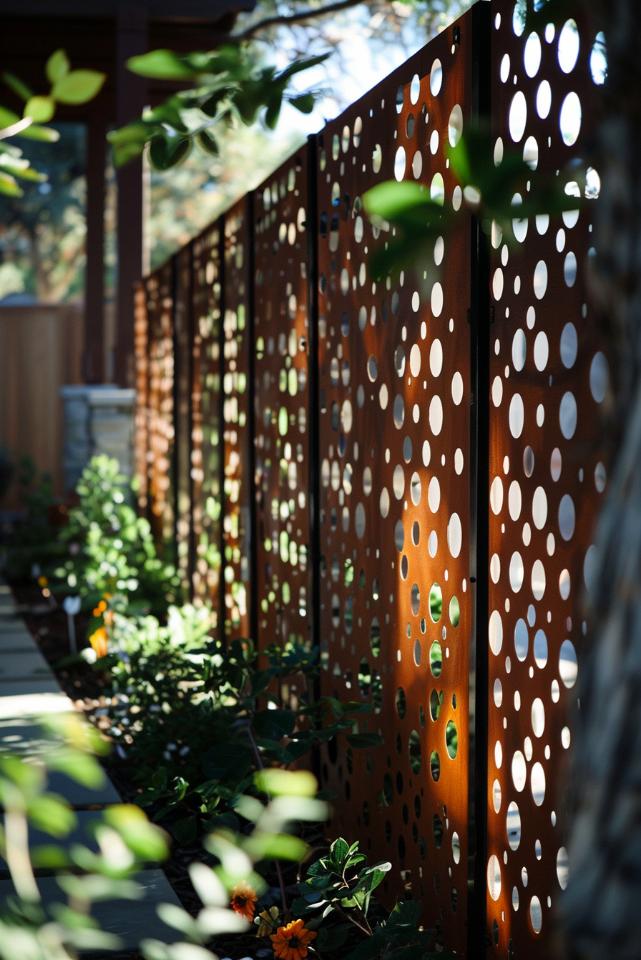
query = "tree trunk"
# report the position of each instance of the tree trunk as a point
(601, 913)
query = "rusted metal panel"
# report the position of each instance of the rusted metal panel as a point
(396, 598)
(159, 291)
(236, 416)
(141, 348)
(183, 345)
(206, 446)
(547, 383)
(282, 428)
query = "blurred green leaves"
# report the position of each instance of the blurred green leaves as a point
(67, 86)
(499, 187)
(228, 85)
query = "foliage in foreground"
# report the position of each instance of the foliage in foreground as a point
(209, 733)
(125, 842)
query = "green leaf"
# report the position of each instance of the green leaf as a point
(207, 885)
(145, 840)
(165, 153)
(390, 199)
(78, 86)
(339, 851)
(276, 846)
(304, 102)
(174, 916)
(273, 108)
(299, 65)
(214, 920)
(52, 815)
(161, 65)
(57, 66)
(208, 143)
(78, 766)
(16, 84)
(40, 109)
(41, 134)
(9, 186)
(286, 783)
(274, 724)
(99, 888)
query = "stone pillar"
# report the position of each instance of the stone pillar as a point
(76, 449)
(111, 424)
(97, 420)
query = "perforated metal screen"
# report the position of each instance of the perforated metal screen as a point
(161, 431)
(184, 335)
(548, 377)
(396, 604)
(282, 408)
(141, 350)
(431, 426)
(206, 447)
(236, 415)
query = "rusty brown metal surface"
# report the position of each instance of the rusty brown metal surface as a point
(159, 292)
(548, 381)
(206, 441)
(396, 601)
(237, 474)
(183, 349)
(141, 349)
(282, 430)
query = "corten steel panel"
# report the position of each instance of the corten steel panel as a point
(141, 347)
(396, 603)
(206, 450)
(236, 433)
(282, 436)
(183, 346)
(547, 383)
(159, 290)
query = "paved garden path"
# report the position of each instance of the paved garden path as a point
(29, 691)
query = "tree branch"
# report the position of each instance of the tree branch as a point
(287, 20)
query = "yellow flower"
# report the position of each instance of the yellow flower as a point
(43, 582)
(291, 941)
(267, 921)
(99, 640)
(243, 901)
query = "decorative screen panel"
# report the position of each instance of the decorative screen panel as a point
(281, 347)
(396, 603)
(159, 291)
(206, 450)
(548, 378)
(141, 350)
(183, 361)
(237, 476)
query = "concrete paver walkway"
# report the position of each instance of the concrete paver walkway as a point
(29, 691)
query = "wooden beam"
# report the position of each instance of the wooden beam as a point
(95, 250)
(131, 39)
(204, 10)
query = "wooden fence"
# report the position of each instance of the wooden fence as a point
(404, 473)
(40, 351)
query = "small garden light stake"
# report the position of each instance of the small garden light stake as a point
(71, 607)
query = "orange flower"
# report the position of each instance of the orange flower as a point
(99, 641)
(243, 901)
(42, 582)
(291, 941)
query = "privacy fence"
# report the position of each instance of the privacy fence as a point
(404, 473)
